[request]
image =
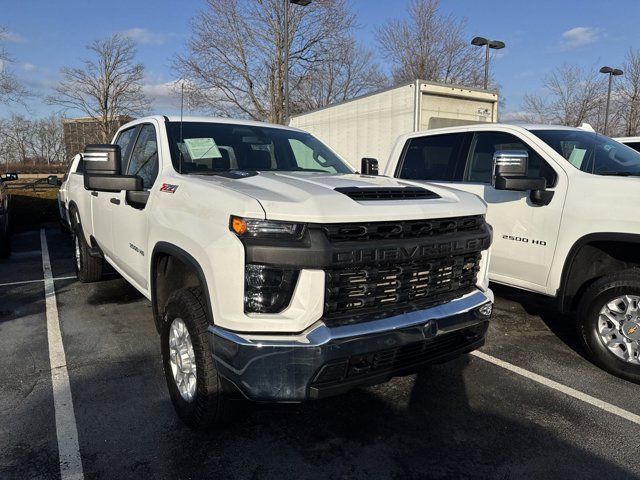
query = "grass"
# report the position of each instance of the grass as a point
(30, 209)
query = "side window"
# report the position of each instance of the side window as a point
(125, 140)
(144, 157)
(434, 157)
(485, 144)
(634, 145)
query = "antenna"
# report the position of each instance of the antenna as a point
(181, 139)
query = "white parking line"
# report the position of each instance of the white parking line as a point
(25, 282)
(596, 402)
(66, 430)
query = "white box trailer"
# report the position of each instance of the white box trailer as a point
(367, 126)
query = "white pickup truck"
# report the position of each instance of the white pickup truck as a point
(273, 269)
(564, 204)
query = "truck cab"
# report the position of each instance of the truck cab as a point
(563, 205)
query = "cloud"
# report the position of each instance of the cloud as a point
(579, 36)
(29, 67)
(145, 36)
(14, 37)
(163, 95)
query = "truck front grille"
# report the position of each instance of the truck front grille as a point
(339, 232)
(355, 294)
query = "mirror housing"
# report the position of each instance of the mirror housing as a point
(510, 172)
(113, 183)
(54, 180)
(369, 166)
(102, 159)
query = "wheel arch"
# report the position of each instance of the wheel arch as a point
(173, 267)
(591, 257)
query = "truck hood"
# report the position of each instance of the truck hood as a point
(311, 197)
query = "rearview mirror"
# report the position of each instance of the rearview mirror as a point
(510, 172)
(102, 159)
(113, 183)
(53, 180)
(369, 166)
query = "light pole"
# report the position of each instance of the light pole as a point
(612, 72)
(483, 42)
(302, 3)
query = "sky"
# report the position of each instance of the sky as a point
(43, 36)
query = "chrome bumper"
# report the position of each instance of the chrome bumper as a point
(289, 368)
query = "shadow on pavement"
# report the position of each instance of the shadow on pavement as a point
(421, 426)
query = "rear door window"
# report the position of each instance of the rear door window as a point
(434, 157)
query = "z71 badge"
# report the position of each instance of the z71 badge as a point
(168, 188)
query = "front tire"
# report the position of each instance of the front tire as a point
(195, 386)
(608, 323)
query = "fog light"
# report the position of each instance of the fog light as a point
(268, 289)
(485, 310)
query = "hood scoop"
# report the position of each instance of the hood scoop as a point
(365, 194)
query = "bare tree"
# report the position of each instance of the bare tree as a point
(350, 72)
(430, 46)
(573, 95)
(107, 86)
(11, 91)
(235, 64)
(626, 99)
(16, 134)
(47, 140)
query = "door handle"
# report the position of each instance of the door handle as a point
(95, 194)
(115, 201)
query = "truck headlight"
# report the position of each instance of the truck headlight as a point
(268, 289)
(253, 227)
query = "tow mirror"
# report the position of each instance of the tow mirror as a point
(113, 183)
(510, 172)
(103, 159)
(369, 166)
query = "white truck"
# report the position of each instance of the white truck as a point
(274, 271)
(564, 205)
(367, 126)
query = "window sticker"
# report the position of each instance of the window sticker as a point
(576, 157)
(200, 148)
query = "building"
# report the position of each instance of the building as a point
(79, 132)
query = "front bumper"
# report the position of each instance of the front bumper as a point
(323, 361)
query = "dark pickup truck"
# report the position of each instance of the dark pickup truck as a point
(4, 213)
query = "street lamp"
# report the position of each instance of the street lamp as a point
(612, 72)
(302, 3)
(484, 42)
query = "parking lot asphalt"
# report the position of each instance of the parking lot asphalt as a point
(469, 418)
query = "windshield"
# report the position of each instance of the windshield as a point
(215, 148)
(592, 152)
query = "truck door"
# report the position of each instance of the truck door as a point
(525, 234)
(102, 204)
(130, 223)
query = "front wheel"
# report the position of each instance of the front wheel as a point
(609, 323)
(195, 386)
